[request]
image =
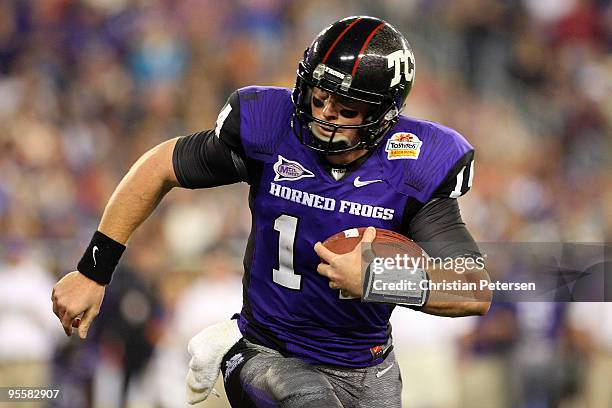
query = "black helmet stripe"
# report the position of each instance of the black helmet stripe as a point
(331, 48)
(364, 46)
(344, 51)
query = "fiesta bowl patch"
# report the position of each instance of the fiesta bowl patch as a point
(403, 145)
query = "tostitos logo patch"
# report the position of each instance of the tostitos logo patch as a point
(403, 145)
(286, 169)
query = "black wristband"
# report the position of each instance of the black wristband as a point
(100, 258)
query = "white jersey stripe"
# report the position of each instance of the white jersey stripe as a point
(221, 118)
(457, 191)
(471, 174)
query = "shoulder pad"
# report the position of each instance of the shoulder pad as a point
(265, 117)
(420, 156)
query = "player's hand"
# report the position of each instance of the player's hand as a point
(344, 270)
(73, 295)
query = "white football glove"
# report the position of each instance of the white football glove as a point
(207, 349)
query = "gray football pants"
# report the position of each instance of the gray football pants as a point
(257, 376)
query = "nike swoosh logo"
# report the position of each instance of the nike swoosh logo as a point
(93, 253)
(382, 372)
(359, 183)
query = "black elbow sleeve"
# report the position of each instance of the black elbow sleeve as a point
(202, 160)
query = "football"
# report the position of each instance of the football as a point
(386, 244)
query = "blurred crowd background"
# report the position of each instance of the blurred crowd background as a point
(87, 86)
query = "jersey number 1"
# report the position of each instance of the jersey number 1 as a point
(286, 225)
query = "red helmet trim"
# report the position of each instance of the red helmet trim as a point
(339, 38)
(363, 47)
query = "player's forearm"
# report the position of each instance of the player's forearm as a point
(139, 193)
(456, 294)
(456, 308)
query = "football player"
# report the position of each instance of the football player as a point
(331, 154)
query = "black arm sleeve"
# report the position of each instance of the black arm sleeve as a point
(441, 232)
(202, 160)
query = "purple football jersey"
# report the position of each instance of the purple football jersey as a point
(295, 202)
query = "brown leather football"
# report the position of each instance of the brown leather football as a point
(386, 244)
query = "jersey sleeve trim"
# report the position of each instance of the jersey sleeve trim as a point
(227, 126)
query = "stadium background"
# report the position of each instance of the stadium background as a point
(88, 86)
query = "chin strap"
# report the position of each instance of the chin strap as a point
(346, 168)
